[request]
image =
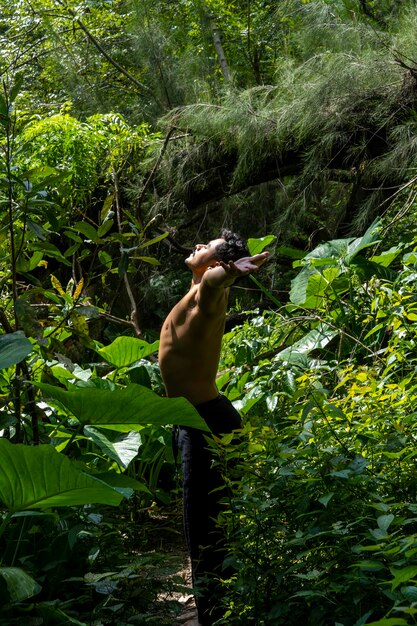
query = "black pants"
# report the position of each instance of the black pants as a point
(203, 489)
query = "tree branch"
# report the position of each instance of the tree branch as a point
(134, 308)
(151, 176)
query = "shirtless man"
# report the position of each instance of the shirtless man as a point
(189, 353)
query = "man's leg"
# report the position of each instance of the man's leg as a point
(203, 489)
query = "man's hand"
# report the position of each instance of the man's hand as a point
(224, 274)
(245, 265)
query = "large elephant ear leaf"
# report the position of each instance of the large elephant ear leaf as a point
(40, 477)
(127, 350)
(124, 409)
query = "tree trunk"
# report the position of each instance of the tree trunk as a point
(219, 49)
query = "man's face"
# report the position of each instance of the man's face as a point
(203, 255)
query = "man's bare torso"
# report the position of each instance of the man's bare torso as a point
(190, 345)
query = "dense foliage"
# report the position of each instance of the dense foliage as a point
(129, 131)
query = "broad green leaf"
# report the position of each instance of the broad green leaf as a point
(20, 585)
(308, 288)
(367, 268)
(123, 450)
(245, 404)
(40, 477)
(384, 521)
(256, 246)
(370, 238)
(386, 258)
(105, 258)
(326, 498)
(124, 409)
(335, 249)
(52, 251)
(86, 229)
(403, 575)
(316, 339)
(410, 258)
(124, 351)
(104, 228)
(14, 347)
(27, 265)
(410, 593)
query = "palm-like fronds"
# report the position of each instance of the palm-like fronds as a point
(345, 113)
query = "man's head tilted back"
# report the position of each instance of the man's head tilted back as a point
(233, 248)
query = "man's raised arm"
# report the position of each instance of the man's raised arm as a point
(224, 274)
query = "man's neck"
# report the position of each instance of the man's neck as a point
(196, 279)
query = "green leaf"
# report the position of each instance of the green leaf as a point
(154, 240)
(389, 621)
(370, 565)
(124, 409)
(121, 481)
(27, 265)
(384, 521)
(18, 81)
(386, 258)
(308, 288)
(123, 450)
(326, 498)
(333, 249)
(86, 229)
(20, 585)
(40, 477)
(367, 268)
(105, 258)
(127, 350)
(107, 206)
(316, 339)
(14, 347)
(409, 593)
(104, 228)
(370, 238)
(257, 245)
(147, 259)
(4, 111)
(403, 575)
(52, 251)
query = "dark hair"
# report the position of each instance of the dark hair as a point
(233, 248)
